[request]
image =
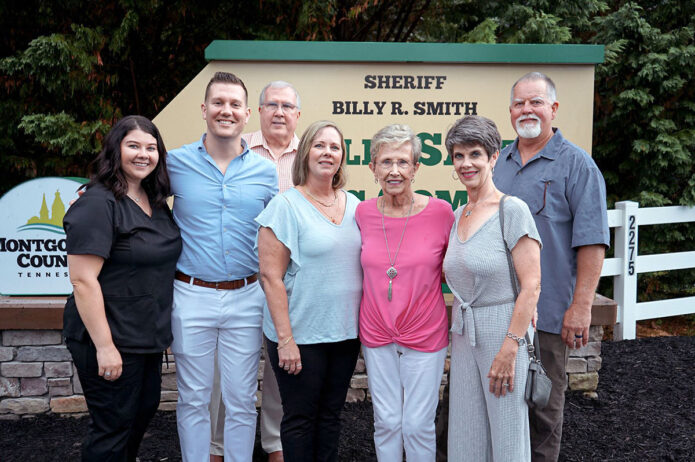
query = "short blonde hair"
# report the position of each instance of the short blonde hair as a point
(300, 167)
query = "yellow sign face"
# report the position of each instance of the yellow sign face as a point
(362, 97)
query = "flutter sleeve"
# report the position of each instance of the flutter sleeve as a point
(518, 222)
(279, 216)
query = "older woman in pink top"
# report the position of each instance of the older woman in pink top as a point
(403, 320)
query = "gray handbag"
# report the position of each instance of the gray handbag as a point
(538, 384)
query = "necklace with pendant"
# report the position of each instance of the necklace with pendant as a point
(392, 272)
(468, 212)
(335, 198)
(135, 199)
(328, 206)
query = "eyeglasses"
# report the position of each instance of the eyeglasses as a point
(387, 164)
(273, 106)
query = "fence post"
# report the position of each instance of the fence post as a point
(625, 284)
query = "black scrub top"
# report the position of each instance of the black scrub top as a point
(137, 279)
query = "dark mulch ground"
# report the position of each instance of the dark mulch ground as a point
(645, 411)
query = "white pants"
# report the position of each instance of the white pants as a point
(202, 321)
(271, 413)
(404, 384)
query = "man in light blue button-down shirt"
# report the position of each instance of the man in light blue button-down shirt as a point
(566, 194)
(219, 188)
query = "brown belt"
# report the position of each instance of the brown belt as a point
(222, 285)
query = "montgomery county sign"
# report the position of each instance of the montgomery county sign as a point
(32, 240)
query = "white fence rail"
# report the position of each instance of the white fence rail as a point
(627, 264)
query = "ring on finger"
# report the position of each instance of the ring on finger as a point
(299, 364)
(505, 385)
(107, 374)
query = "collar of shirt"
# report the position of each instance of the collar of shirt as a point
(550, 151)
(256, 140)
(204, 151)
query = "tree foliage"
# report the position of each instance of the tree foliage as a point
(644, 122)
(70, 68)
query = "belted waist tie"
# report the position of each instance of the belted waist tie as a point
(466, 320)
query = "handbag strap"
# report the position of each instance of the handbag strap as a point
(533, 348)
(510, 263)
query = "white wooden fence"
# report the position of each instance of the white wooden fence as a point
(627, 264)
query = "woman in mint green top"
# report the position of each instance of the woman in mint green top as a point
(309, 255)
(323, 279)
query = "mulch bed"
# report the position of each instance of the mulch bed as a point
(645, 411)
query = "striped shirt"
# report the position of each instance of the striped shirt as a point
(283, 164)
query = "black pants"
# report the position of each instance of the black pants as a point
(120, 409)
(313, 399)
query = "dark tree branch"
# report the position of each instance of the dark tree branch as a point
(135, 85)
(403, 22)
(416, 21)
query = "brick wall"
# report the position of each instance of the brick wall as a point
(584, 363)
(37, 375)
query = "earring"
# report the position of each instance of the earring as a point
(493, 169)
(454, 175)
(412, 180)
(376, 181)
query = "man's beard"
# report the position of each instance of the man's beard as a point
(528, 131)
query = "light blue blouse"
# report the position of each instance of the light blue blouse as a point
(324, 275)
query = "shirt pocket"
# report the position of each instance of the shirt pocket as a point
(548, 200)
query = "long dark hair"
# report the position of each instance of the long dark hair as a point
(106, 168)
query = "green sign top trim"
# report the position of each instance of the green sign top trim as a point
(261, 50)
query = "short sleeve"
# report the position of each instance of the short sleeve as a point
(89, 225)
(587, 200)
(518, 222)
(280, 217)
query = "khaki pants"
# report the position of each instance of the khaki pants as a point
(546, 424)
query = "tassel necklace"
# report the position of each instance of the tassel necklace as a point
(392, 272)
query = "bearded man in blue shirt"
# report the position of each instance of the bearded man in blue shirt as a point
(566, 194)
(219, 188)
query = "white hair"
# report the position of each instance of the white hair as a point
(551, 92)
(279, 84)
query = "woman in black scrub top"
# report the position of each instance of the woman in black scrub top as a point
(122, 246)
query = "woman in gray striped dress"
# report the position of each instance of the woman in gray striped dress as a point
(488, 417)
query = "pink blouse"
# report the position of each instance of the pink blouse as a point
(415, 317)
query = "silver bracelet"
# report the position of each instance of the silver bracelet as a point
(520, 340)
